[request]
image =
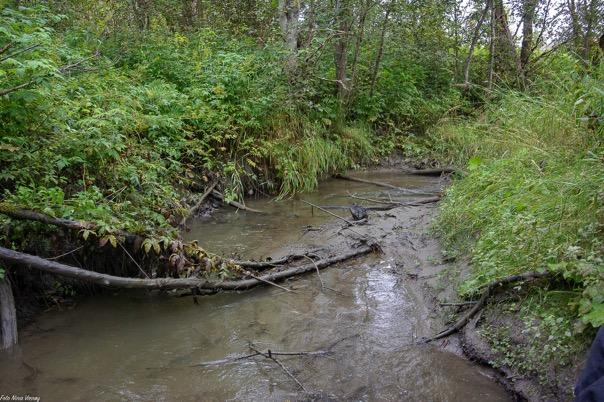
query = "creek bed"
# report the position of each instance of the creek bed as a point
(132, 346)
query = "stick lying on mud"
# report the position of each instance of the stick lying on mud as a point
(198, 204)
(380, 184)
(235, 204)
(199, 284)
(490, 289)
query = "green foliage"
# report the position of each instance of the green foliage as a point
(532, 199)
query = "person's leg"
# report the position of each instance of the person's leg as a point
(590, 386)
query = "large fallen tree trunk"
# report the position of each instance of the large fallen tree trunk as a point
(22, 259)
(8, 316)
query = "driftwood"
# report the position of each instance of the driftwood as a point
(8, 316)
(199, 284)
(234, 204)
(490, 289)
(198, 204)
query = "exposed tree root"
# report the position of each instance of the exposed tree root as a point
(234, 204)
(490, 289)
(22, 259)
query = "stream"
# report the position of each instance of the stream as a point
(140, 347)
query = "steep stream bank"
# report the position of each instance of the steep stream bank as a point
(136, 347)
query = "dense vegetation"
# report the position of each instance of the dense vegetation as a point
(117, 112)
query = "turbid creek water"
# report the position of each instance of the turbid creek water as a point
(140, 347)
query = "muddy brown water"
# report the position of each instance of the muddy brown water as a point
(140, 347)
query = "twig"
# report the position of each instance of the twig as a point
(13, 54)
(7, 47)
(328, 212)
(225, 361)
(64, 254)
(321, 279)
(133, 260)
(269, 355)
(234, 203)
(245, 271)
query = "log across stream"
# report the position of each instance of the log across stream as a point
(133, 345)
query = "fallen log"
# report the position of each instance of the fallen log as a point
(24, 214)
(234, 204)
(415, 203)
(490, 289)
(198, 204)
(200, 284)
(432, 172)
(387, 205)
(272, 263)
(380, 184)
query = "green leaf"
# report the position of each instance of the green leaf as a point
(596, 316)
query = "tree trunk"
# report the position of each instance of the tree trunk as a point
(590, 19)
(141, 10)
(190, 10)
(466, 69)
(576, 27)
(506, 61)
(378, 58)
(491, 48)
(342, 14)
(528, 17)
(8, 316)
(289, 13)
(357, 47)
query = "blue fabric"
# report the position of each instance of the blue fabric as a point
(590, 386)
